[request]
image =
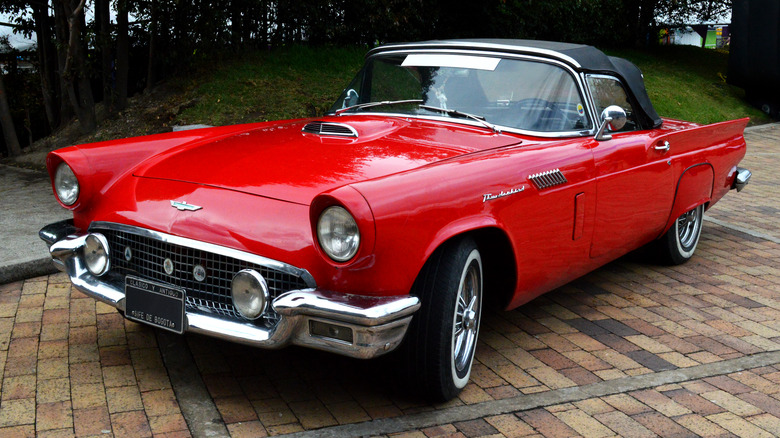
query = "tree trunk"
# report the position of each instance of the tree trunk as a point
(9, 132)
(122, 54)
(75, 71)
(61, 31)
(646, 21)
(103, 23)
(150, 78)
(44, 49)
(236, 22)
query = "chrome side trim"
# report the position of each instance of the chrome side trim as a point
(210, 247)
(741, 179)
(378, 324)
(548, 179)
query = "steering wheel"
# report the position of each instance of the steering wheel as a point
(538, 113)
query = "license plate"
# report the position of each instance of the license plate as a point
(153, 303)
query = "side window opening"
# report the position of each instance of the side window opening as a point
(608, 91)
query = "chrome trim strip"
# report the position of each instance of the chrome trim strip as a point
(210, 247)
(378, 324)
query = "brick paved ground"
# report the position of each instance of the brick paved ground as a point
(632, 349)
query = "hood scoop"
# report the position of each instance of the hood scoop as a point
(330, 128)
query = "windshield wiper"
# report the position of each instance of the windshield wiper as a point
(456, 113)
(370, 104)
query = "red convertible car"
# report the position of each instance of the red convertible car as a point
(448, 172)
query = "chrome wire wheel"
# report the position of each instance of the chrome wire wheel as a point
(466, 321)
(439, 347)
(688, 228)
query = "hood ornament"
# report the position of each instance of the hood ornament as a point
(181, 206)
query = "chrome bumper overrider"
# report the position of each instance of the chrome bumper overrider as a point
(378, 324)
(741, 179)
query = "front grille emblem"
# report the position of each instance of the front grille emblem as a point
(199, 272)
(128, 253)
(168, 266)
(181, 206)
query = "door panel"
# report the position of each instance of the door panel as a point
(634, 192)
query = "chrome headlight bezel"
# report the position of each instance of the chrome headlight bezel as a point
(66, 184)
(338, 234)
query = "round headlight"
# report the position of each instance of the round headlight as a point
(66, 185)
(96, 254)
(250, 293)
(338, 234)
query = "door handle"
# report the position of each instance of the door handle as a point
(662, 148)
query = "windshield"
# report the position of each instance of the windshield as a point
(521, 94)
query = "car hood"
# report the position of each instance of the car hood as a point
(281, 162)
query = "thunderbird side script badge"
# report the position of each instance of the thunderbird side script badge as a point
(181, 206)
(489, 196)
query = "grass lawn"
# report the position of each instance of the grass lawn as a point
(683, 82)
(286, 83)
(689, 83)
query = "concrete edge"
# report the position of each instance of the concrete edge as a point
(197, 407)
(386, 426)
(762, 127)
(15, 271)
(743, 230)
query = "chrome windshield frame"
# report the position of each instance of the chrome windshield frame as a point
(576, 76)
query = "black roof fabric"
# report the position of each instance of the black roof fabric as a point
(579, 56)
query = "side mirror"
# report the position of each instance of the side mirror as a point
(614, 118)
(351, 98)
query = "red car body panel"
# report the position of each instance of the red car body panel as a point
(411, 185)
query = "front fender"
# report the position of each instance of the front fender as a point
(694, 188)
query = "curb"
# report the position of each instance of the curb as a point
(762, 127)
(25, 270)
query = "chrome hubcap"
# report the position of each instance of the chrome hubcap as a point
(688, 228)
(466, 319)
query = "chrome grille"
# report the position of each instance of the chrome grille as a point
(330, 128)
(212, 295)
(547, 179)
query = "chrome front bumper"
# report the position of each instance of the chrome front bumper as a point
(378, 324)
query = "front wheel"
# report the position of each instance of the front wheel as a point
(442, 338)
(679, 243)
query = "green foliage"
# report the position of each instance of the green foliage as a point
(683, 82)
(286, 83)
(688, 83)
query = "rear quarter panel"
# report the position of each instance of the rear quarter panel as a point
(705, 157)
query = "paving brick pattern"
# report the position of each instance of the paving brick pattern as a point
(71, 366)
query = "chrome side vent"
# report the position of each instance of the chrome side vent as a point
(330, 128)
(548, 179)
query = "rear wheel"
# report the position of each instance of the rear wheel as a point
(679, 243)
(442, 338)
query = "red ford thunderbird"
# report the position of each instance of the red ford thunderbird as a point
(447, 172)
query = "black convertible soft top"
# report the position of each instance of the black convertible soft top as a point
(580, 57)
